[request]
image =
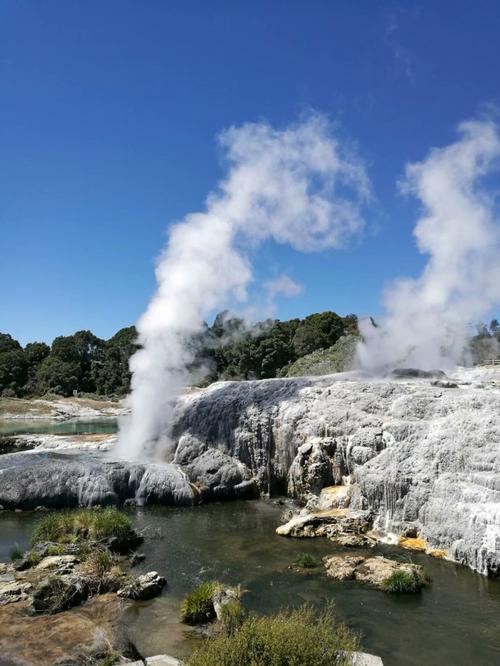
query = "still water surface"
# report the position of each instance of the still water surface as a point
(455, 622)
(101, 425)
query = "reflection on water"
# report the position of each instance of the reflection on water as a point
(455, 621)
(101, 425)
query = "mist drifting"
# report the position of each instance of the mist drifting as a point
(300, 186)
(427, 320)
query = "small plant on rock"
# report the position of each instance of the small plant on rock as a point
(402, 582)
(197, 606)
(232, 616)
(305, 561)
(16, 553)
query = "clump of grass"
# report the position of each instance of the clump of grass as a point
(98, 563)
(197, 606)
(79, 524)
(402, 582)
(102, 571)
(109, 659)
(232, 616)
(16, 553)
(299, 637)
(33, 558)
(305, 561)
(56, 550)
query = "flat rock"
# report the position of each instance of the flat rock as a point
(342, 567)
(57, 561)
(374, 571)
(365, 659)
(327, 523)
(77, 636)
(13, 591)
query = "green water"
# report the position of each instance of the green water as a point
(101, 425)
(456, 621)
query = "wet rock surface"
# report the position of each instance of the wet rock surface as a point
(147, 586)
(62, 480)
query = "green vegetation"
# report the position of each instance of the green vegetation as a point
(232, 616)
(402, 582)
(290, 638)
(337, 358)
(197, 606)
(320, 344)
(84, 363)
(81, 362)
(16, 553)
(305, 561)
(109, 659)
(82, 524)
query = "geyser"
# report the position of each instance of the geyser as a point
(427, 320)
(298, 186)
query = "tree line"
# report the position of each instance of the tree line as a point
(229, 349)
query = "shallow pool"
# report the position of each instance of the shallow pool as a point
(455, 621)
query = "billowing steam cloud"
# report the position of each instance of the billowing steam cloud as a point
(284, 185)
(427, 321)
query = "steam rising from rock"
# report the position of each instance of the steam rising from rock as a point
(427, 320)
(290, 186)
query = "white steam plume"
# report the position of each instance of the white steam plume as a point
(283, 285)
(287, 185)
(427, 320)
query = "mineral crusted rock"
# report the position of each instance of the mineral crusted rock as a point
(335, 522)
(371, 570)
(374, 571)
(147, 586)
(342, 567)
(416, 455)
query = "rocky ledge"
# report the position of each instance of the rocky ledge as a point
(51, 479)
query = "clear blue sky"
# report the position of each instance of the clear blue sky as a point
(109, 112)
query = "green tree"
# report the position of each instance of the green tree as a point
(110, 370)
(13, 371)
(318, 331)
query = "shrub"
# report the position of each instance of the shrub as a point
(404, 581)
(75, 525)
(293, 638)
(305, 561)
(16, 553)
(197, 606)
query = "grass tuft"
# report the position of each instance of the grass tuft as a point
(305, 561)
(197, 606)
(402, 582)
(232, 616)
(16, 553)
(299, 637)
